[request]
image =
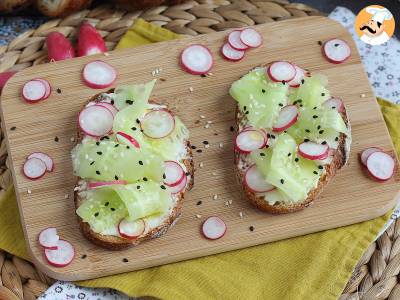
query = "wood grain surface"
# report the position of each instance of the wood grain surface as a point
(351, 197)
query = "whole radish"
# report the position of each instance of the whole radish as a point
(90, 41)
(59, 47)
(4, 78)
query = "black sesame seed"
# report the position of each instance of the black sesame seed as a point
(263, 91)
(321, 131)
(97, 143)
(98, 172)
(272, 136)
(164, 176)
(231, 128)
(102, 138)
(199, 203)
(127, 147)
(205, 142)
(314, 107)
(333, 107)
(308, 130)
(199, 150)
(144, 178)
(302, 81)
(107, 203)
(320, 167)
(112, 102)
(282, 181)
(306, 140)
(99, 152)
(251, 228)
(336, 138)
(262, 154)
(130, 102)
(315, 172)
(112, 208)
(193, 147)
(163, 187)
(116, 177)
(187, 173)
(96, 214)
(319, 43)
(336, 45)
(92, 163)
(301, 105)
(58, 91)
(324, 143)
(203, 75)
(56, 139)
(138, 187)
(140, 162)
(296, 159)
(283, 82)
(315, 116)
(322, 94)
(116, 145)
(13, 128)
(137, 121)
(133, 128)
(280, 104)
(83, 256)
(268, 135)
(266, 146)
(246, 113)
(125, 260)
(319, 127)
(289, 154)
(245, 107)
(106, 137)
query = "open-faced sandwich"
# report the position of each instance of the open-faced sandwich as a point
(134, 163)
(292, 136)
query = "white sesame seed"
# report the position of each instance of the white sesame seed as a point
(66, 196)
(106, 54)
(207, 126)
(215, 197)
(230, 202)
(201, 165)
(214, 173)
(198, 216)
(72, 139)
(207, 146)
(202, 117)
(29, 191)
(240, 214)
(226, 203)
(76, 188)
(209, 122)
(191, 89)
(363, 95)
(221, 145)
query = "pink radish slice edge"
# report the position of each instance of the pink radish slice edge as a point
(381, 165)
(97, 184)
(62, 256)
(109, 106)
(336, 51)
(313, 151)
(235, 41)
(158, 123)
(334, 103)
(34, 168)
(131, 229)
(34, 91)
(213, 228)
(48, 161)
(366, 153)
(48, 238)
(96, 120)
(251, 38)
(196, 59)
(180, 187)
(296, 81)
(249, 140)
(256, 182)
(99, 74)
(174, 173)
(125, 138)
(287, 117)
(230, 53)
(48, 87)
(281, 71)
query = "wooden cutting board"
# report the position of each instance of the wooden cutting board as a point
(351, 197)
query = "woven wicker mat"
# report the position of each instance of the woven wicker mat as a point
(375, 277)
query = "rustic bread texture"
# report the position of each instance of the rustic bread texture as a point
(57, 8)
(339, 160)
(118, 243)
(7, 6)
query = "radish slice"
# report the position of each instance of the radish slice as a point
(230, 53)
(281, 71)
(111, 107)
(126, 139)
(251, 38)
(313, 151)
(249, 140)
(131, 229)
(334, 103)
(48, 161)
(256, 182)
(180, 187)
(380, 165)
(367, 152)
(197, 59)
(34, 91)
(98, 74)
(174, 173)
(336, 51)
(287, 117)
(34, 168)
(235, 42)
(213, 228)
(48, 238)
(48, 88)
(97, 184)
(61, 257)
(295, 82)
(158, 123)
(96, 120)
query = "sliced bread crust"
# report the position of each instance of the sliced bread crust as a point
(118, 243)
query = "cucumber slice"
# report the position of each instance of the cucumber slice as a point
(259, 98)
(312, 92)
(136, 95)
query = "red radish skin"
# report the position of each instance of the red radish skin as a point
(281, 71)
(235, 42)
(4, 77)
(111, 107)
(287, 117)
(48, 161)
(48, 87)
(122, 136)
(90, 41)
(251, 38)
(380, 166)
(313, 151)
(48, 238)
(97, 184)
(131, 230)
(33, 91)
(196, 59)
(61, 257)
(34, 168)
(58, 47)
(255, 181)
(99, 74)
(213, 228)
(180, 187)
(336, 51)
(296, 81)
(95, 121)
(367, 152)
(334, 103)
(231, 54)
(174, 173)
(158, 123)
(249, 140)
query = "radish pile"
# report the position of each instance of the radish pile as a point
(37, 164)
(379, 164)
(238, 42)
(36, 90)
(175, 177)
(57, 252)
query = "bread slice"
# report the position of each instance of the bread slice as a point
(340, 158)
(118, 243)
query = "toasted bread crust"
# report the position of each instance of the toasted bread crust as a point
(118, 243)
(339, 160)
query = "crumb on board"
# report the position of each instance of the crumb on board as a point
(191, 89)
(198, 216)
(362, 95)
(215, 197)
(241, 214)
(202, 117)
(201, 164)
(29, 191)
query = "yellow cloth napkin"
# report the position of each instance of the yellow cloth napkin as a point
(315, 266)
